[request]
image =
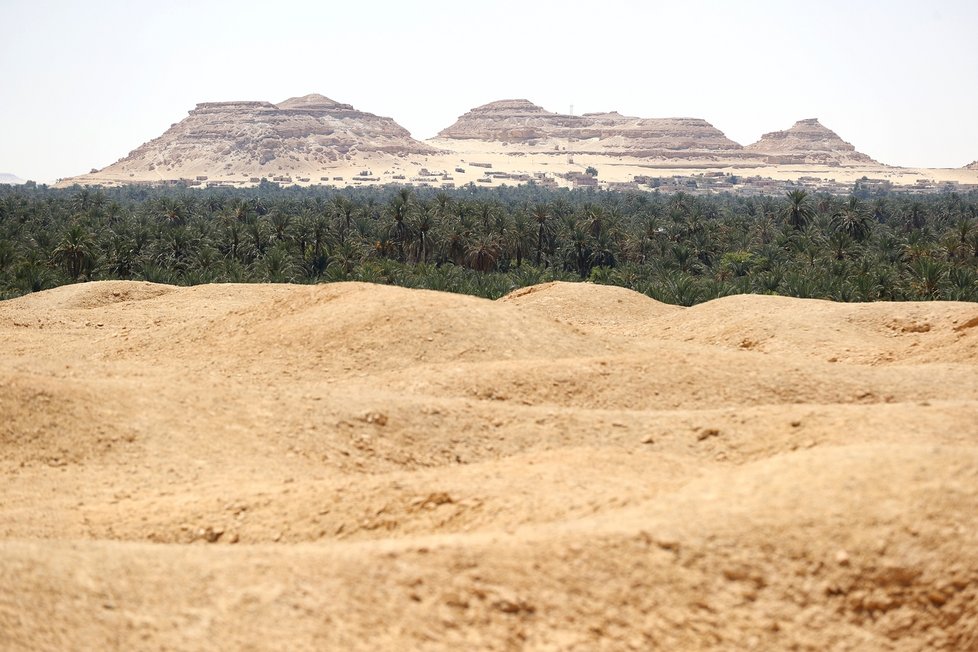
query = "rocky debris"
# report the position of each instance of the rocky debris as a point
(523, 123)
(256, 138)
(808, 142)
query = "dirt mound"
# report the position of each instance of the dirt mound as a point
(591, 307)
(357, 327)
(574, 466)
(876, 333)
(90, 295)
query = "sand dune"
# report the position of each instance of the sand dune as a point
(573, 466)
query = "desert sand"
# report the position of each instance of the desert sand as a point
(405, 170)
(572, 467)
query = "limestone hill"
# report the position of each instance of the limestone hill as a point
(300, 137)
(522, 124)
(808, 141)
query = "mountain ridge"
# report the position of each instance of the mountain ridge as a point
(314, 139)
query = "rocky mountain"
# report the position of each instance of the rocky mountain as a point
(11, 179)
(524, 124)
(300, 135)
(808, 142)
(971, 166)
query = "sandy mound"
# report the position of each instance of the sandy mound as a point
(573, 466)
(595, 308)
(857, 333)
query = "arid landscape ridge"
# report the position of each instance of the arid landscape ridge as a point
(314, 140)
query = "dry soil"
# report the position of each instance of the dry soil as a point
(572, 467)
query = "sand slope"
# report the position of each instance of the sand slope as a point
(573, 466)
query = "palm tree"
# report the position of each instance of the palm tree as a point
(423, 225)
(76, 252)
(400, 231)
(798, 210)
(483, 253)
(443, 205)
(577, 253)
(520, 236)
(487, 212)
(928, 275)
(280, 221)
(853, 220)
(598, 221)
(915, 217)
(344, 209)
(540, 215)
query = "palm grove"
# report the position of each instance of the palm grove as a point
(677, 248)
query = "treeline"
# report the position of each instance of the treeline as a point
(676, 248)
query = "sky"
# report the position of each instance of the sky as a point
(84, 83)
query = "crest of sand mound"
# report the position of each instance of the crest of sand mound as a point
(596, 308)
(339, 325)
(575, 466)
(873, 333)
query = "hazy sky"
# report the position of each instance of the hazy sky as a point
(84, 83)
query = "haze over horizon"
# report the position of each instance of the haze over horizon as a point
(84, 85)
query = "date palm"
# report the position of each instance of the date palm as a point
(400, 231)
(520, 237)
(853, 220)
(540, 214)
(76, 252)
(798, 210)
(422, 226)
(483, 254)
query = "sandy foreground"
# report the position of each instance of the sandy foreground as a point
(572, 467)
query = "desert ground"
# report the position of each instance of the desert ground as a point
(571, 467)
(406, 169)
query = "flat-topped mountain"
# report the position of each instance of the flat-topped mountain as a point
(313, 139)
(300, 135)
(808, 141)
(520, 122)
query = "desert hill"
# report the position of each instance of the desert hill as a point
(313, 140)
(570, 467)
(13, 179)
(526, 125)
(302, 135)
(972, 166)
(808, 141)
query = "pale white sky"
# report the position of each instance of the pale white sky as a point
(84, 83)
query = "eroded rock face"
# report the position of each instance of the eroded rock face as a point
(257, 137)
(808, 141)
(520, 122)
